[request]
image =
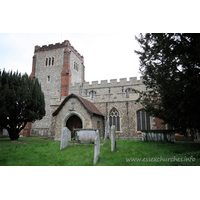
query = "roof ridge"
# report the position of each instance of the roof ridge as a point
(87, 104)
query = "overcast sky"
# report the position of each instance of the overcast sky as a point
(106, 55)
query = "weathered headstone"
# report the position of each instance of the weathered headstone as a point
(106, 131)
(97, 147)
(113, 138)
(64, 138)
(5, 132)
(86, 135)
(109, 131)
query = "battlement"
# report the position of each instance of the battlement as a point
(106, 83)
(65, 44)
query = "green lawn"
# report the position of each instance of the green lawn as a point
(45, 152)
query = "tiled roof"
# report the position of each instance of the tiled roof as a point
(92, 109)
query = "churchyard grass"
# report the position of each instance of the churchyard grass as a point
(27, 151)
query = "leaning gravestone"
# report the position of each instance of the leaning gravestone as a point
(64, 138)
(113, 138)
(106, 131)
(97, 147)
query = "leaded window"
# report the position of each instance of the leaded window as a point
(114, 118)
(92, 93)
(143, 120)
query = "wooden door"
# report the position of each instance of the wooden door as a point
(72, 123)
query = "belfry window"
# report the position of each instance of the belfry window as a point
(50, 61)
(114, 118)
(76, 66)
(143, 120)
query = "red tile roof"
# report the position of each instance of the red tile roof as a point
(92, 109)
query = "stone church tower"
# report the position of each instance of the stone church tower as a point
(55, 66)
(73, 103)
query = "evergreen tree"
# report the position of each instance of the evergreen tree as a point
(170, 66)
(21, 101)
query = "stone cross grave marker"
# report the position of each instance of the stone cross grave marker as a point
(64, 138)
(106, 131)
(113, 138)
(97, 147)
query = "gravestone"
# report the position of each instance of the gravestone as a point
(64, 138)
(97, 147)
(106, 131)
(109, 131)
(113, 138)
(86, 135)
(5, 132)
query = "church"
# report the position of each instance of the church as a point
(72, 102)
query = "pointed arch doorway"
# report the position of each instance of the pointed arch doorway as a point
(73, 122)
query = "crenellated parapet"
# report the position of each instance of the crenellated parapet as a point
(65, 44)
(105, 83)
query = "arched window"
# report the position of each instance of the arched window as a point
(46, 61)
(143, 120)
(52, 60)
(49, 61)
(114, 118)
(128, 91)
(92, 93)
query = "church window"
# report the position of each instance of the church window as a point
(143, 120)
(114, 118)
(46, 61)
(98, 124)
(76, 66)
(128, 91)
(49, 61)
(92, 93)
(52, 60)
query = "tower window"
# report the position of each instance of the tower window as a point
(46, 61)
(76, 66)
(122, 89)
(109, 90)
(49, 61)
(52, 60)
(48, 78)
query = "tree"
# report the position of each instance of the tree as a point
(170, 65)
(21, 101)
